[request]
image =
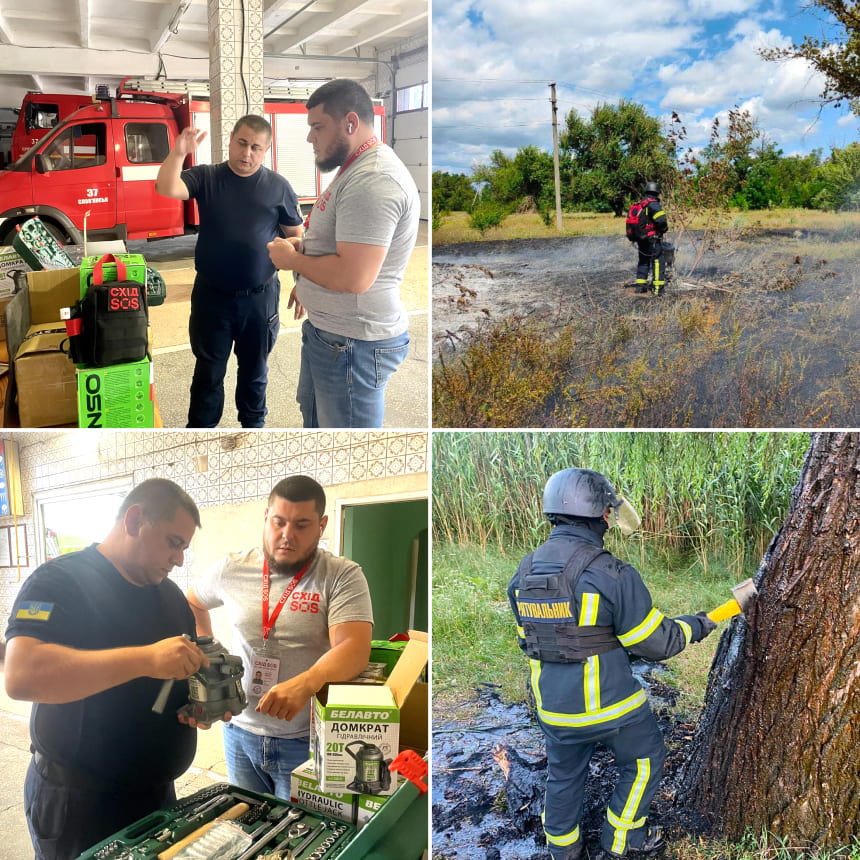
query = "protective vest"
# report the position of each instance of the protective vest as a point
(547, 609)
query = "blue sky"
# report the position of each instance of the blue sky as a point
(493, 61)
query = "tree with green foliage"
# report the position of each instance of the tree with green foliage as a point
(525, 178)
(838, 59)
(840, 179)
(610, 156)
(452, 192)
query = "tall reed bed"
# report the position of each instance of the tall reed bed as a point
(711, 494)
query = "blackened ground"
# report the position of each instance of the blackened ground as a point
(489, 775)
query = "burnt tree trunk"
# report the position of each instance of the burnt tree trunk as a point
(778, 740)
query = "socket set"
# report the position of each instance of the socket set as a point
(223, 822)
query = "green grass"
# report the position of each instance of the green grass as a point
(763, 846)
(455, 227)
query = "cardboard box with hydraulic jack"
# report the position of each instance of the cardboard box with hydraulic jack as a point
(227, 823)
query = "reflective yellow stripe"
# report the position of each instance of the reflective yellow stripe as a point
(652, 621)
(626, 820)
(604, 715)
(521, 632)
(564, 840)
(588, 610)
(657, 215)
(688, 631)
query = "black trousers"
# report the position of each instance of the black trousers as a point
(651, 264)
(246, 323)
(65, 818)
(639, 756)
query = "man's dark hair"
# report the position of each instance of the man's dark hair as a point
(256, 123)
(159, 499)
(339, 97)
(299, 488)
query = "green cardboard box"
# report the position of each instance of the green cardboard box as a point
(135, 269)
(116, 396)
(305, 791)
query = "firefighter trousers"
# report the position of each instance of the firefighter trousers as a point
(651, 265)
(639, 756)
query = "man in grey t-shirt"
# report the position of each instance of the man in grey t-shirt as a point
(358, 240)
(314, 628)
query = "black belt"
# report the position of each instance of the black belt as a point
(70, 777)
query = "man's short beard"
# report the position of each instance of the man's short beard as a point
(288, 568)
(337, 158)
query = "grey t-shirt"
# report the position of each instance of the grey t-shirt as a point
(374, 202)
(332, 591)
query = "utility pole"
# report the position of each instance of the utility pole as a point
(556, 174)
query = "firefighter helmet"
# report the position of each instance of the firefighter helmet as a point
(579, 493)
(652, 188)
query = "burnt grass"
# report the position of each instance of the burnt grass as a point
(489, 775)
(763, 331)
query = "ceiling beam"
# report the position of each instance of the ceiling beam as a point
(77, 62)
(292, 40)
(377, 29)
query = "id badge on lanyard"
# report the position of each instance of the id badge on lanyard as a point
(265, 665)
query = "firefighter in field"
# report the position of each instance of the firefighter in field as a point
(647, 230)
(581, 616)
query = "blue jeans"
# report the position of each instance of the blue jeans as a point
(342, 380)
(248, 324)
(261, 763)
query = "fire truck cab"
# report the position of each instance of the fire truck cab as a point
(96, 170)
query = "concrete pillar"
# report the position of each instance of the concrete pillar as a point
(235, 67)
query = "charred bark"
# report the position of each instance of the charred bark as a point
(777, 742)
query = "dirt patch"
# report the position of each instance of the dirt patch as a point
(786, 271)
(489, 775)
(779, 306)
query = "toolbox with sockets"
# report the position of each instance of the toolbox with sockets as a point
(227, 823)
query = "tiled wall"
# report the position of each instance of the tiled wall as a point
(215, 468)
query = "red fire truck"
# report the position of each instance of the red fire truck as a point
(102, 160)
(40, 112)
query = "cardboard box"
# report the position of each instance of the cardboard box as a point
(359, 729)
(305, 790)
(10, 261)
(45, 380)
(116, 396)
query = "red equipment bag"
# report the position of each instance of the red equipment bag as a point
(636, 224)
(108, 325)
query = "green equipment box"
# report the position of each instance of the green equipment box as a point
(399, 831)
(119, 395)
(38, 247)
(227, 822)
(135, 269)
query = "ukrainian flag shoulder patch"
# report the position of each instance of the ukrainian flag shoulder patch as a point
(34, 610)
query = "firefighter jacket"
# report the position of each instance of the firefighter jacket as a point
(658, 224)
(597, 694)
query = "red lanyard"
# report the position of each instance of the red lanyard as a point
(269, 622)
(368, 144)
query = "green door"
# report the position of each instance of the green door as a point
(390, 542)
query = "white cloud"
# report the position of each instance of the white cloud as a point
(492, 60)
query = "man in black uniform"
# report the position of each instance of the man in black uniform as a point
(92, 636)
(581, 614)
(651, 247)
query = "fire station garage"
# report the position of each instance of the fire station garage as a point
(93, 96)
